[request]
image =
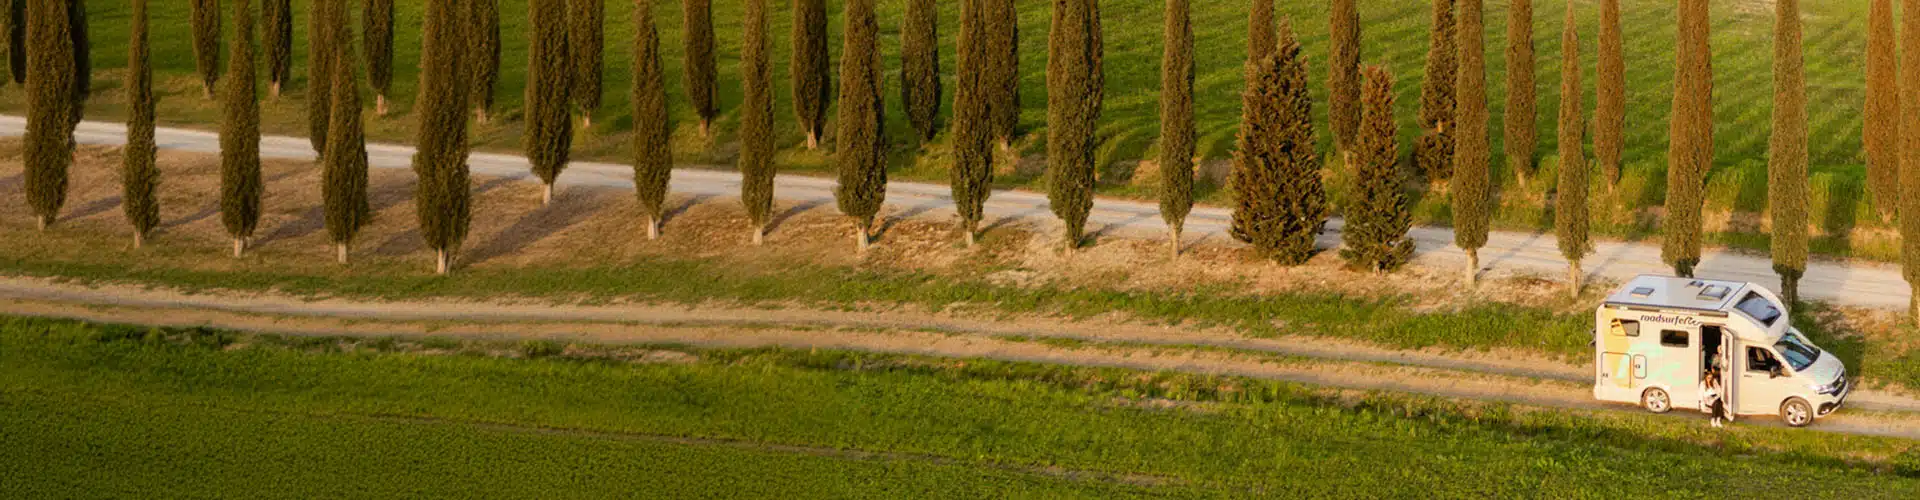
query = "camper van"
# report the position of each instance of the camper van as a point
(1657, 338)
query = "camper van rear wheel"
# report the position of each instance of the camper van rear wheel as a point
(1656, 400)
(1796, 412)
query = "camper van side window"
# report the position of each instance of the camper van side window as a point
(1676, 338)
(1625, 328)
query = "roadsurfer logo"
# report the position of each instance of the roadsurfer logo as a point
(1672, 320)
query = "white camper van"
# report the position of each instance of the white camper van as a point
(1658, 337)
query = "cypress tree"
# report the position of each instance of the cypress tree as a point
(700, 70)
(1280, 204)
(279, 42)
(652, 155)
(1472, 189)
(1882, 136)
(483, 56)
(48, 148)
(1261, 39)
(322, 15)
(920, 67)
(1610, 112)
(1343, 73)
(1520, 135)
(587, 41)
(549, 137)
(1003, 70)
(1379, 216)
(17, 40)
(82, 62)
(862, 137)
(138, 177)
(343, 175)
(1909, 152)
(240, 184)
(1433, 154)
(205, 22)
(441, 162)
(756, 122)
(810, 67)
(972, 172)
(1177, 133)
(1074, 93)
(1570, 220)
(378, 36)
(1787, 152)
(1690, 153)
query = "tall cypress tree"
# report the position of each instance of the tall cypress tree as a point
(756, 122)
(1379, 215)
(972, 179)
(1177, 133)
(862, 136)
(1472, 185)
(82, 62)
(920, 67)
(441, 162)
(1281, 205)
(483, 55)
(1343, 72)
(652, 153)
(279, 42)
(1433, 154)
(1075, 82)
(1910, 152)
(549, 137)
(1690, 152)
(700, 70)
(1003, 70)
(1787, 152)
(378, 37)
(205, 22)
(138, 177)
(1261, 39)
(321, 17)
(1570, 220)
(587, 40)
(343, 175)
(17, 40)
(50, 80)
(810, 67)
(1520, 139)
(1610, 112)
(1882, 137)
(240, 183)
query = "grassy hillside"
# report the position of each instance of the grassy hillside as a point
(1395, 34)
(234, 414)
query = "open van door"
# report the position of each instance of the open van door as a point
(1728, 377)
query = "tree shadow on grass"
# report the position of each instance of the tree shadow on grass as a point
(894, 220)
(802, 207)
(96, 207)
(568, 209)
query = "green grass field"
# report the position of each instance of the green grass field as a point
(1395, 35)
(91, 410)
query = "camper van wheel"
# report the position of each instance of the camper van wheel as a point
(1797, 412)
(1656, 400)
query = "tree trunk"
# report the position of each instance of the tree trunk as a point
(380, 105)
(864, 234)
(1068, 241)
(1473, 266)
(44, 222)
(706, 129)
(480, 114)
(207, 89)
(273, 91)
(1006, 145)
(653, 228)
(759, 235)
(586, 122)
(139, 240)
(1790, 289)
(546, 195)
(1574, 278)
(1913, 304)
(340, 252)
(1173, 241)
(443, 262)
(239, 247)
(971, 228)
(813, 140)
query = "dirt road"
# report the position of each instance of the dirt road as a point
(1497, 376)
(1844, 283)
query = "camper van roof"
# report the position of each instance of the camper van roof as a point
(1678, 293)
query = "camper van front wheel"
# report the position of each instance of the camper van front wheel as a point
(1797, 412)
(1656, 400)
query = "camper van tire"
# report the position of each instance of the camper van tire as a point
(1656, 400)
(1796, 412)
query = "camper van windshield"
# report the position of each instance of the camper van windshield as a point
(1798, 351)
(1760, 309)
